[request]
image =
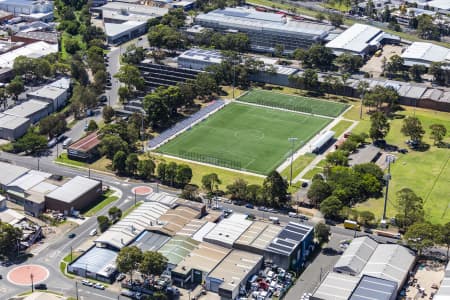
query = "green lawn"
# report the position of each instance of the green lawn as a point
(105, 200)
(295, 103)
(298, 165)
(65, 160)
(245, 137)
(341, 127)
(310, 174)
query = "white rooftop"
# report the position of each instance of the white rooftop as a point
(73, 189)
(440, 4)
(27, 108)
(150, 11)
(113, 29)
(197, 54)
(425, 53)
(62, 83)
(124, 231)
(11, 122)
(29, 180)
(336, 286)
(355, 39)
(228, 230)
(48, 92)
(33, 50)
(355, 257)
(10, 172)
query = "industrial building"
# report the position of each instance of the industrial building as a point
(56, 93)
(365, 263)
(359, 39)
(117, 34)
(13, 127)
(120, 12)
(34, 110)
(291, 247)
(37, 10)
(265, 30)
(175, 219)
(85, 149)
(96, 263)
(195, 267)
(442, 6)
(198, 59)
(76, 194)
(127, 229)
(421, 53)
(228, 230)
(33, 50)
(231, 275)
(257, 237)
(176, 249)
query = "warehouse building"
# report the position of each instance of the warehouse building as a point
(359, 39)
(150, 241)
(10, 173)
(34, 110)
(265, 30)
(120, 12)
(196, 266)
(76, 194)
(177, 249)
(257, 237)
(56, 93)
(421, 53)
(292, 246)
(13, 127)
(199, 59)
(85, 149)
(117, 34)
(356, 256)
(41, 10)
(175, 219)
(96, 263)
(127, 229)
(228, 230)
(34, 50)
(231, 275)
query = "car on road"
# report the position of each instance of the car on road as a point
(249, 205)
(99, 286)
(61, 138)
(121, 277)
(40, 286)
(86, 282)
(71, 235)
(127, 293)
(262, 208)
(304, 184)
(94, 232)
(52, 143)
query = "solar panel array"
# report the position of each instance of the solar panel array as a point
(180, 126)
(289, 238)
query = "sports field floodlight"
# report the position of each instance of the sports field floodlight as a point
(292, 140)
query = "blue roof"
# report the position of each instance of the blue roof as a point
(373, 288)
(289, 238)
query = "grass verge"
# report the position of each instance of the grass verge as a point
(64, 159)
(298, 165)
(106, 199)
(130, 209)
(341, 127)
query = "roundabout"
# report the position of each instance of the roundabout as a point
(27, 274)
(142, 190)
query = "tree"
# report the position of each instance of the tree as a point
(331, 207)
(114, 213)
(157, 110)
(130, 76)
(190, 192)
(15, 87)
(171, 172)
(108, 114)
(103, 223)
(128, 260)
(416, 72)
(412, 127)
(322, 233)
(426, 29)
(349, 63)
(379, 95)
(3, 98)
(337, 158)
(439, 73)
(210, 182)
(184, 175)
(152, 263)
(134, 55)
(111, 144)
(336, 19)
(379, 126)
(131, 163)
(318, 191)
(205, 85)
(366, 217)
(395, 65)
(320, 16)
(275, 188)
(163, 36)
(278, 50)
(31, 142)
(438, 132)
(53, 125)
(409, 207)
(146, 168)
(238, 189)
(316, 57)
(9, 235)
(118, 162)
(421, 235)
(92, 126)
(71, 45)
(161, 170)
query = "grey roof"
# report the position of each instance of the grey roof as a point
(29, 180)
(10, 172)
(336, 287)
(113, 29)
(425, 53)
(259, 235)
(49, 37)
(62, 83)
(97, 260)
(356, 39)
(373, 288)
(444, 290)
(73, 189)
(47, 92)
(12, 122)
(146, 10)
(289, 238)
(150, 241)
(355, 257)
(242, 18)
(28, 108)
(391, 262)
(197, 54)
(228, 230)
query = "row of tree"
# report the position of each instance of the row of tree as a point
(131, 259)
(173, 174)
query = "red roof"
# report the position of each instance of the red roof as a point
(87, 143)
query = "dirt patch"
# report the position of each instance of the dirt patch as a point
(375, 65)
(426, 280)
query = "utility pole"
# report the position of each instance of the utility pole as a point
(32, 285)
(234, 76)
(292, 140)
(89, 172)
(389, 159)
(76, 289)
(38, 159)
(135, 197)
(71, 253)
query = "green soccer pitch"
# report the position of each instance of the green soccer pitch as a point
(245, 137)
(296, 103)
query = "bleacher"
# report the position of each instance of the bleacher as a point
(180, 126)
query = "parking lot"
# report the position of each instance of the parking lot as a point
(374, 65)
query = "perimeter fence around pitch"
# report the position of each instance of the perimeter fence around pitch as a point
(222, 162)
(305, 108)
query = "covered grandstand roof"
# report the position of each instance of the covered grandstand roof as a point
(124, 231)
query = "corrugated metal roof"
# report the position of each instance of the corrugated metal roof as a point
(12, 122)
(228, 230)
(425, 53)
(29, 180)
(355, 39)
(178, 248)
(97, 260)
(355, 257)
(10, 172)
(113, 29)
(27, 108)
(372, 288)
(259, 235)
(73, 189)
(336, 287)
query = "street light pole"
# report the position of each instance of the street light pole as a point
(38, 163)
(390, 159)
(134, 197)
(32, 285)
(292, 140)
(76, 288)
